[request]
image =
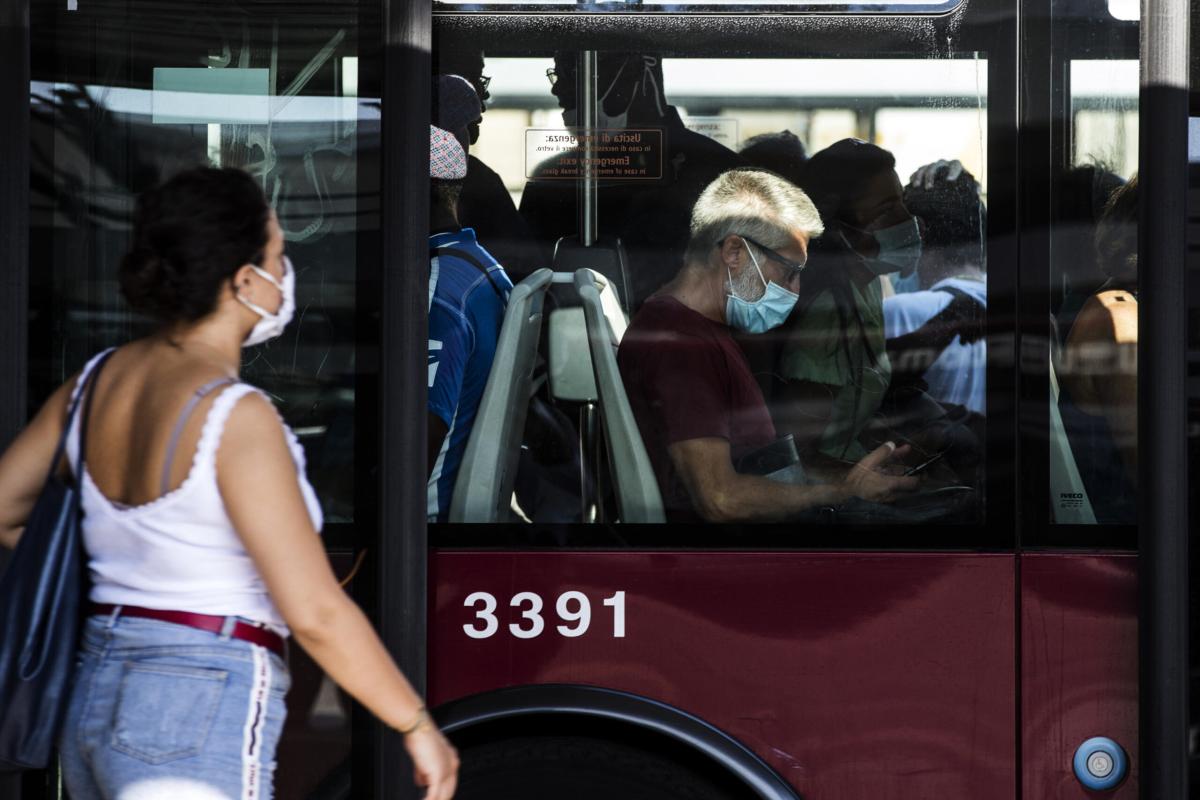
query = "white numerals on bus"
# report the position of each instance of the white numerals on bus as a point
(533, 614)
(487, 615)
(581, 617)
(574, 610)
(617, 601)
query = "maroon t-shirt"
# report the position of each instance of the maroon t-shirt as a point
(687, 378)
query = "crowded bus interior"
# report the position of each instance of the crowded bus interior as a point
(886, 342)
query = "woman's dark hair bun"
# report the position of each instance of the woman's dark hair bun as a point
(190, 235)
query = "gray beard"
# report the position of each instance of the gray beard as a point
(748, 286)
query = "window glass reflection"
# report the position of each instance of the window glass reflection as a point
(125, 96)
(280, 106)
(732, 384)
(1093, 399)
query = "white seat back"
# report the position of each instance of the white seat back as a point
(571, 374)
(638, 498)
(484, 486)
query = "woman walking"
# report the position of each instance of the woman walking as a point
(200, 527)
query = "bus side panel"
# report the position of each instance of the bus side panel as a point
(856, 676)
(1079, 678)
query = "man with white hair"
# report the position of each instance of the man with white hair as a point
(698, 407)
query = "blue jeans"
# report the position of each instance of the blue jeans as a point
(160, 710)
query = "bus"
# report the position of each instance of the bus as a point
(1016, 627)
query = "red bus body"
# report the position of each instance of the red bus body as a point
(853, 675)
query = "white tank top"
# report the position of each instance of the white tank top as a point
(180, 552)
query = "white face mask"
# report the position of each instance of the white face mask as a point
(272, 325)
(646, 84)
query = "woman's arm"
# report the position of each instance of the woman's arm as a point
(25, 463)
(257, 479)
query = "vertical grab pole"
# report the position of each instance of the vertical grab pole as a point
(1162, 375)
(403, 329)
(586, 94)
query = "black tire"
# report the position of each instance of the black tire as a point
(578, 768)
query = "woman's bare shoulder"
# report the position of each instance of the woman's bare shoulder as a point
(253, 421)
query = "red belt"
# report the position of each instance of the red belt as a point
(245, 631)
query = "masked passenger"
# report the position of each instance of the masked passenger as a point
(468, 292)
(832, 368)
(649, 214)
(697, 405)
(1098, 369)
(935, 333)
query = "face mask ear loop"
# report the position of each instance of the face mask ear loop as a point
(648, 76)
(268, 277)
(616, 79)
(754, 261)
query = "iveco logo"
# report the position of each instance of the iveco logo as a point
(1071, 495)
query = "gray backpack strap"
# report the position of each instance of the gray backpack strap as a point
(184, 415)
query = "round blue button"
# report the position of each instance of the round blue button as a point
(1100, 763)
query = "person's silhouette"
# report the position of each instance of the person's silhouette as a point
(650, 214)
(485, 205)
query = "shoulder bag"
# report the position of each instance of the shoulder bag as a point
(42, 597)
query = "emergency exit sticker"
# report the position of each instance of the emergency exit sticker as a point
(719, 129)
(610, 154)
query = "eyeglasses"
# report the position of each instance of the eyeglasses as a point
(484, 82)
(795, 266)
(552, 76)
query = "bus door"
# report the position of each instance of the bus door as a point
(1078, 360)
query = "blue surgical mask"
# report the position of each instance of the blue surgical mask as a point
(761, 315)
(899, 248)
(903, 284)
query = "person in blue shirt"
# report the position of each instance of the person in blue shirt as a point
(935, 333)
(468, 292)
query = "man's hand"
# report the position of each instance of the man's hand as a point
(867, 480)
(966, 317)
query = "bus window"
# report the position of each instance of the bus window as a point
(1093, 414)
(880, 340)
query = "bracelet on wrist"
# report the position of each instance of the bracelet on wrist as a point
(422, 719)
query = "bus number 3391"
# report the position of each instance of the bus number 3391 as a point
(573, 610)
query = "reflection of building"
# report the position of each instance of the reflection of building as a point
(306, 150)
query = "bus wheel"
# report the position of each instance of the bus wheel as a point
(579, 768)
